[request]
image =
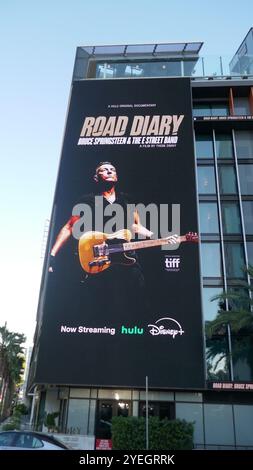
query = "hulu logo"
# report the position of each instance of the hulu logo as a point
(131, 331)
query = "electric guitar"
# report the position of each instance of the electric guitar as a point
(98, 250)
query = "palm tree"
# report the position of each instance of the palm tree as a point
(234, 316)
(11, 361)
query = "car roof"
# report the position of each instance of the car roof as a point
(40, 435)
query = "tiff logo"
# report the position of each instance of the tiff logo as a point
(172, 263)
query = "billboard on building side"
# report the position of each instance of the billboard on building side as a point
(120, 297)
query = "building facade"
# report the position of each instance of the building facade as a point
(222, 129)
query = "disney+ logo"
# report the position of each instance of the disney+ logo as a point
(166, 326)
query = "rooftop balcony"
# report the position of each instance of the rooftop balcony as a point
(200, 67)
(158, 60)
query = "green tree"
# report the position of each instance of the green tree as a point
(11, 363)
(235, 313)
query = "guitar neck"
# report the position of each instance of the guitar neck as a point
(129, 246)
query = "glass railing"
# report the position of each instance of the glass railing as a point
(223, 66)
(200, 67)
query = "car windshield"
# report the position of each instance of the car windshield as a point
(6, 439)
(30, 440)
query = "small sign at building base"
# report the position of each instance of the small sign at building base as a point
(103, 444)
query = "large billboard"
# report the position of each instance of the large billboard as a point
(121, 287)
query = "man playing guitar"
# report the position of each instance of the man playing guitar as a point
(106, 179)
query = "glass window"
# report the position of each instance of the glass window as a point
(210, 109)
(79, 393)
(210, 307)
(241, 106)
(231, 219)
(204, 146)
(121, 70)
(234, 260)
(242, 354)
(227, 179)
(6, 439)
(105, 71)
(219, 429)
(105, 412)
(78, 416)
(201, 110)
(92, 417)
(160, 409)
(243, 424)
(206, 180)
(189, 396)
(115, 394)
(149, 69)
(208, 217)
(244, 144)
(224, 146)
(190, 67)
(240, 299)
(135, 394)
(248, 216)
(157, 396)
(246, 179)
(123, 409)
(217, 359)
(173, 68)
(132, 70)
(192, 412)
(27, 441)
(250, 252)
(211, 259)
(219, 109)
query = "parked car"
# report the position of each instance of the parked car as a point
(29, 440)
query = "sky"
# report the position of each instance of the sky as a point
(38, 41)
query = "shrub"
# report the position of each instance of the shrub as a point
(8, 427)
(16, 414)
(12, 425)
(49, 421)
(23, 410)
(130, 434)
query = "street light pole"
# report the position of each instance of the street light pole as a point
(147, 437)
